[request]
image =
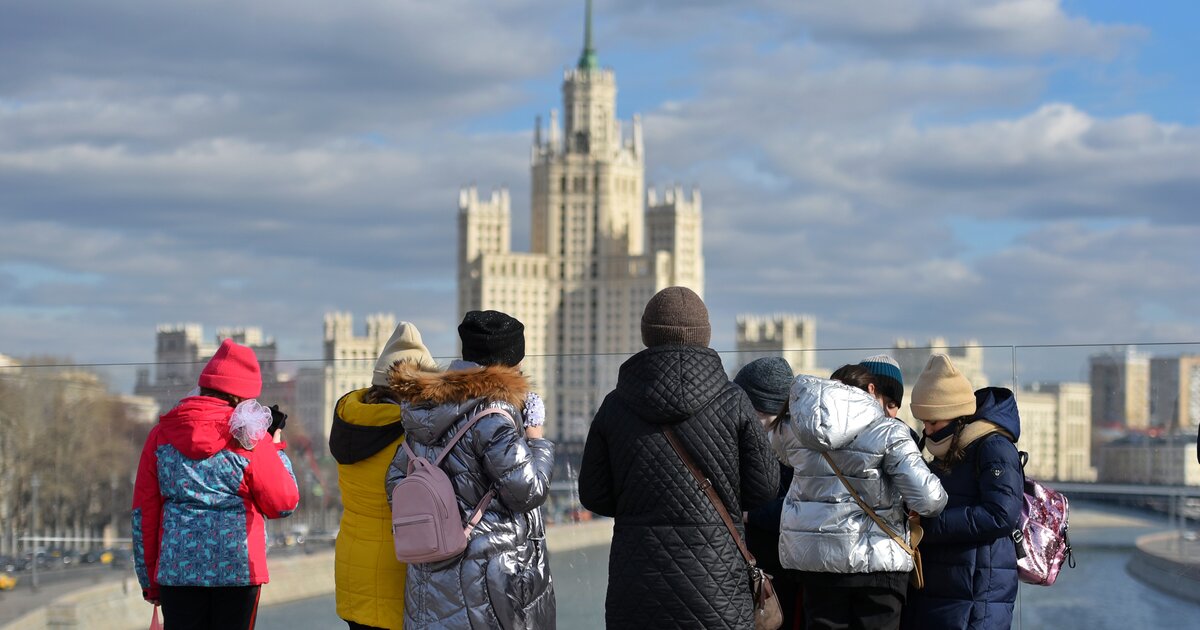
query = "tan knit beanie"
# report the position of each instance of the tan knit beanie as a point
(942, 392)
(404, 345)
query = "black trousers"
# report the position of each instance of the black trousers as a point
(354, 625)
(209, 607)
(857, 607)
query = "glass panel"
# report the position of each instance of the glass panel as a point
(1114, 428)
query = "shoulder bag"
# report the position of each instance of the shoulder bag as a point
(768, 615)
(917, 577)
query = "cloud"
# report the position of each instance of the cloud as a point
(1010, 28)
(261, 164)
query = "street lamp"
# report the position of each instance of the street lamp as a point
(35, 484)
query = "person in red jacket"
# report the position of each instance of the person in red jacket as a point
(213, 469)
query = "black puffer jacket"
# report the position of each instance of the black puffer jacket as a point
(673, 563)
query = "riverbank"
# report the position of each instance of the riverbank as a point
(1169, 564)
(118, 605)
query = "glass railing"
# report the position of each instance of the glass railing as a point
(1115, 427)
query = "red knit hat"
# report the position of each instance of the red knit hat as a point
(233, 370)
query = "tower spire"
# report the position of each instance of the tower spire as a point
(587, 59)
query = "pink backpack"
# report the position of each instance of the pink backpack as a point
(426, 523)
(1042, 541)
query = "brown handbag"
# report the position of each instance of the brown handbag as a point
(917, 577)
(768, 615)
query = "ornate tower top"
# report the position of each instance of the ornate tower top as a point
(587, 59)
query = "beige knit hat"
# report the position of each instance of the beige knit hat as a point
(404, 345)
(942, 392)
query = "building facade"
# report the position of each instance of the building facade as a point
(1142, 459)
(1120, 383)
(1056, 431)
(968, 358)
(600, 247)
(181, 352)
(348, 364)
(1175, 393)
(791, 336)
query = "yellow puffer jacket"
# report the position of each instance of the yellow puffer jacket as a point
(370, 581)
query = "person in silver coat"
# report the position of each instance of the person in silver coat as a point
(854, 574)
(502, 580)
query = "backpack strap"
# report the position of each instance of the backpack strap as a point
(477, 513)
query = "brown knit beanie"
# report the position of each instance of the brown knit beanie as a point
(676, 316)
(942, 392)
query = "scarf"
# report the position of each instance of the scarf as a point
(939, 443)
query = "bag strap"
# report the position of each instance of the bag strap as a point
(711, 492)
(479, 415)
(477, 513)
(863, 504)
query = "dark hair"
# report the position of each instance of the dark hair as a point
(954, 454)
(855, 375)
(379, 394)
(220, 395)
(774, 422)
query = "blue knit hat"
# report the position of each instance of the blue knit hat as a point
(889, 381)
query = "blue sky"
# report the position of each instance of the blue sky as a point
(1012, 171)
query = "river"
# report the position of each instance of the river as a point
(1098, 594)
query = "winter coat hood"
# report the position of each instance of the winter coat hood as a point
(827, 415)
(668, 384)
(198, 427)
(362, 429)
(432, 401)
(998, 405)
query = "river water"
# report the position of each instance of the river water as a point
(1098, 594)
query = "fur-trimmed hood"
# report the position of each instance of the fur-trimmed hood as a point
(432, 401)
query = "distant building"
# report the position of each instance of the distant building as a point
(143, 409)
(968, 358)
(348, 364)
(1056, 428)
(181, 352)
(600, 248)
(793, 337)
(1120, 383)
(1175, 392)
(1141, 459)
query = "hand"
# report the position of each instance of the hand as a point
(278, 420)
(535, 433)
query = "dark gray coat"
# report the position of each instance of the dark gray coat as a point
(673, 563)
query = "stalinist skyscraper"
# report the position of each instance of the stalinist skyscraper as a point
(601, 246)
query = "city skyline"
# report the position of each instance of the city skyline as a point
(1014, 172)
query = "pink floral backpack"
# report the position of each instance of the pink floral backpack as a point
(1042, 541)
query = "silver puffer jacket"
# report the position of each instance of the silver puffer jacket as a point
(502, 580)
(822, 528)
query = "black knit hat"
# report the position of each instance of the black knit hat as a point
(492, 338)
(767, 382)
(675, 315)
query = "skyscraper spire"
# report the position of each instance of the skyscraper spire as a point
(587, 59)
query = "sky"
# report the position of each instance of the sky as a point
(1006, 171)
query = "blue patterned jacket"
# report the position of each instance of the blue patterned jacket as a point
(200, 501)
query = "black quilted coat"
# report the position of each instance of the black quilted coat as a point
(673, 563)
